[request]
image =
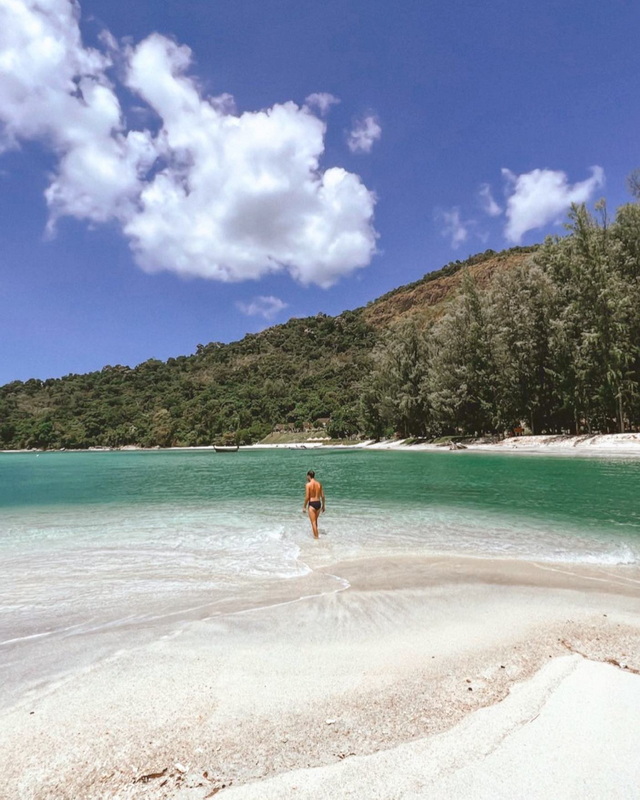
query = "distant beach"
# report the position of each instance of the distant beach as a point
(603, 444)
(599, 444)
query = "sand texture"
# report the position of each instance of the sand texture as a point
(550, 738)
(442, 678)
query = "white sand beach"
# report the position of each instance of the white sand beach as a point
(448, 677)
(601, 444)
(604, 445)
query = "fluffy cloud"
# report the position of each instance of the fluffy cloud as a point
(267, 307)
(454, 227)
(364, 133)
(543, 196)
(55, 90)
(489, 205)
(207, 192)
(321, 102)
(44, 71)
(241, 196)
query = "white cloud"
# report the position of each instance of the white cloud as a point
(364, 133)
(267, 307)
(543, 196)
(55, 90)
(454, 227)
(489, 205)
(207, 193)
(42, 63)
(321, 101)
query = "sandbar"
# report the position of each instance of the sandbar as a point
(417, 677)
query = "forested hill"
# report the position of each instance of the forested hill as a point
(293, 374)
(546, 339)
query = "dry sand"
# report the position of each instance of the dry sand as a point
(604, 445)
(601, 444)
(458, 678)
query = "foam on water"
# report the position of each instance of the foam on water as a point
(73, 569)
(435, 531)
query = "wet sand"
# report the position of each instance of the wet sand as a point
(444, 677)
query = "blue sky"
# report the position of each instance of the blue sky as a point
(182, 171)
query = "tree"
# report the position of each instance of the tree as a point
(633, 182)
(43, 434)
(519, 305)
(343, 424)
(461, 379)
(395, 393)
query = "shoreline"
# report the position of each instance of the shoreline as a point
(598, 445)
(357, 688)
(604, 445)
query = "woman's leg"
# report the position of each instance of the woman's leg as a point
(313, 516)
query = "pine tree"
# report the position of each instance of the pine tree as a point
(519, 304)
(461, 380)
(394, 395)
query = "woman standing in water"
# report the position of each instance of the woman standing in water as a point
(314, 498)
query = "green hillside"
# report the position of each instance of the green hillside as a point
(545, 337)
(292, 374)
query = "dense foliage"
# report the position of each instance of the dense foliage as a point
(293, 373)
(552, 345)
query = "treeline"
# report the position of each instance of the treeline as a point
(292, 373)
(552, 345)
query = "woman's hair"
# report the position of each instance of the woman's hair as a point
(311, 474)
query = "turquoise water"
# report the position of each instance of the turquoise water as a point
(565, 494)
(105, 541)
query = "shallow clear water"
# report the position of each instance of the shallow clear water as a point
(103, 540)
